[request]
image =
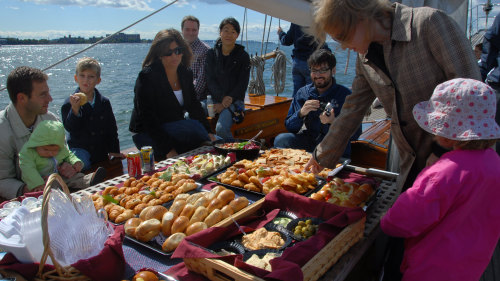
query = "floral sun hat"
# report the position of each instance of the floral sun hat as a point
(460, 109)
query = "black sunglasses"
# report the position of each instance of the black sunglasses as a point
(177, 51)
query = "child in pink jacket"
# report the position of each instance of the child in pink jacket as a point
(450, 216)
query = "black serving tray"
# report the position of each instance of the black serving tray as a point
(151, 245)
(213, 178)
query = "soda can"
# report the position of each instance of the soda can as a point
(148, 159)
(134, 164)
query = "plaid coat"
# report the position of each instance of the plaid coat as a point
(427, 47)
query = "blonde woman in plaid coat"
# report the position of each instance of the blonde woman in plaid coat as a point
(403, 54)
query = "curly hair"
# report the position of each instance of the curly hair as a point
(162, 41)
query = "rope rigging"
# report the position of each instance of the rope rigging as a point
(256, 85)
(279, 72)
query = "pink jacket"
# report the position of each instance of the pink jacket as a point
(449, 217)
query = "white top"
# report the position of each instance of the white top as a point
(178, 95)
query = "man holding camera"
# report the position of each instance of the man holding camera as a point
(315, 106)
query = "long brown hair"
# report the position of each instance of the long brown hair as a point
(342, 16)
(162, 41)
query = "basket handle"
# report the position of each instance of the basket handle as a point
(45, 230)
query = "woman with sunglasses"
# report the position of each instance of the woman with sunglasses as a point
(166, 113)
(227, 69)
(403, 54)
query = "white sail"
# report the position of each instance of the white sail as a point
(300, 11)
(296, 11)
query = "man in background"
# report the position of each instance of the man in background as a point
(490, 63)
(303, 46)
(190, 27)
(308, 120)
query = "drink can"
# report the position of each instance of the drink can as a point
(148, 159)
(134, 164)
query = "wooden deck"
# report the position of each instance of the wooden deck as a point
(265, 113)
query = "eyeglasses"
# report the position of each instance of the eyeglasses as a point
(319, 71)
(177, 51)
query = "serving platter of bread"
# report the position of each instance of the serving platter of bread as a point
(161, 229)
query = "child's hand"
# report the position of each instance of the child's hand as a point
(36, 189)
(74, 100)
(66, 170)
(78, 166)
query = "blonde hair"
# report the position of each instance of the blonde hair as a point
(475, 144)
(87, 63)
(340, 17)
(162, 41)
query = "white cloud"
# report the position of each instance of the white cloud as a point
(13, 8)
(142, 5)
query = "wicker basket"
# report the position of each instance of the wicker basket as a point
(59, 272)
(219, 270)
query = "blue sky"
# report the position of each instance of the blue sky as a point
(57, 18)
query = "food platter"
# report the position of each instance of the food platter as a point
(151, 245)
(213, 178)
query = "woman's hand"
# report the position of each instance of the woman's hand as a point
(212, 137)
(227, 101)
(313, 166)
(218, 108)
(325, 119)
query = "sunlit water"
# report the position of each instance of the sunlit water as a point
(120, 65)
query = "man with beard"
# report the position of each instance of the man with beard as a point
(308, 121)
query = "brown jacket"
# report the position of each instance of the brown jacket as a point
(427, 47)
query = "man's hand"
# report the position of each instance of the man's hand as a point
(113, 155)
(78, 166)
(212, 137)
(325, 119)
(313, 166)
(66, 170)
(218, 108)
(227, 101)
(309, 105)
(279, 30)
(74, 100)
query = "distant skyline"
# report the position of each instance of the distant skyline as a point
(51, 19)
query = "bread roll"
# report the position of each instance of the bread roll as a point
(147, 230)
(127, 214)
(153, 212)
(172, 242)
(195, 227)
(83, 98)
(215, 204)
(183, 196)
(239, 203)
(177, 207)
(145, 276)
(194, 197)
(216, 190)
(199, 215)
(131, 225)
(227, 211)
(188, 210)
(180, 224)
(202, 201)
(214, 217)
(166, 223)
(226, 196)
